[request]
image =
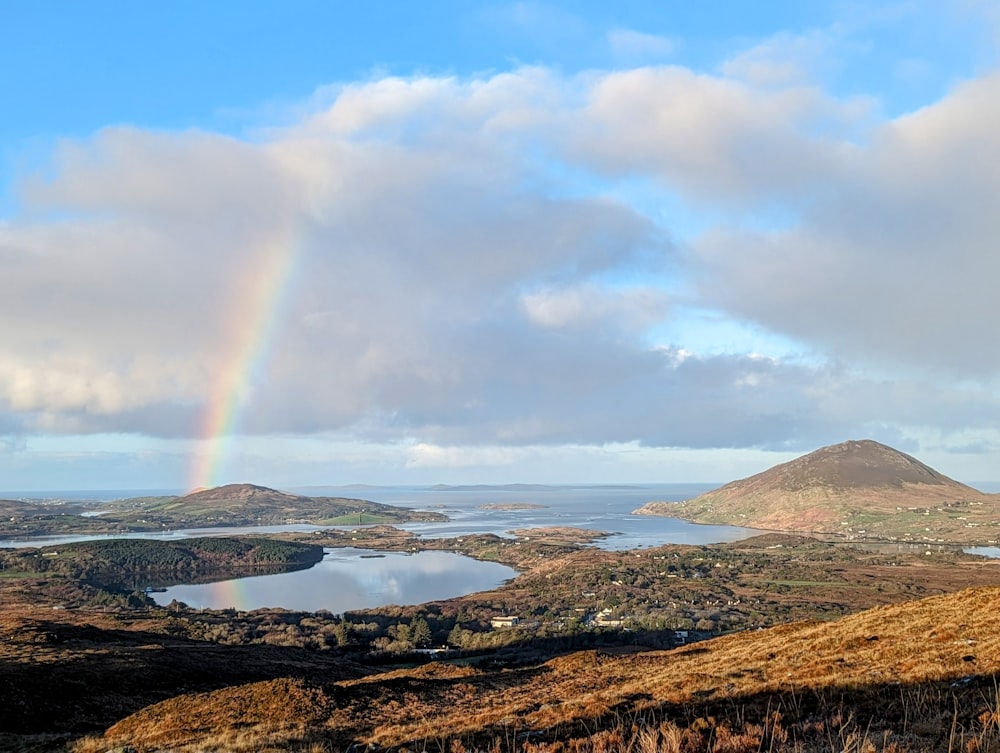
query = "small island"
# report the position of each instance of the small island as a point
(559, 535)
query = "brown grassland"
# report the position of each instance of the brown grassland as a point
(915, 672)
(914, 676)
(776, 643)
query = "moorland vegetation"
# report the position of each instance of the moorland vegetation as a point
(777, 643)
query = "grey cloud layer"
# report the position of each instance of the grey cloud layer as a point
(462, 273)
(898, 262)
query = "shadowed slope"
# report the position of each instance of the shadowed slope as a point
(938, 639)
(75, 671)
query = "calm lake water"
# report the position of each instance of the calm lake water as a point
(992, 552)
(353, 579)
(350, 579)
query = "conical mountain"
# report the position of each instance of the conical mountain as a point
(859, 488)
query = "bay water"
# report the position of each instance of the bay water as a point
(354, 579)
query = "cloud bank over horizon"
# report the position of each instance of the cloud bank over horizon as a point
(653, 256)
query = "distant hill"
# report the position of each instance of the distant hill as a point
(239, 491)
(249, 504)
(860, 489)
(230, 505)
(22, 518)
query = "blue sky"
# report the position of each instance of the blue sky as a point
(323, 243)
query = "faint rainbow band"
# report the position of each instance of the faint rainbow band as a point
(254, 326)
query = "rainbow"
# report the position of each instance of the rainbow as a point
(231, 593)
(253, 327)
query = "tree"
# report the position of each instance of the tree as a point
(342, 633)
(420, 631)
(458, 637)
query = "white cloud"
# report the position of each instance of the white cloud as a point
(425, 455)
(719, 140)
(782, 60)
(597, 309)
(633, 45)
(897, 263)
(547, 26)
(440, 262)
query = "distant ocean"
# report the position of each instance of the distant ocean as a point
(421, 496)
(491, 509)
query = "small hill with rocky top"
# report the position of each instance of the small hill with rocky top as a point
(249, 504)
(239, 492)
(860, 489)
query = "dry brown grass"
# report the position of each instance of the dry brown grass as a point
(833, 676)
(277, 708)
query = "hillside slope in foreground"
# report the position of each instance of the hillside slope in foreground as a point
(858, 489)
(914, 676)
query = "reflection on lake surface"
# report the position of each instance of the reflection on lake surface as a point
(345, 580)
(349, 579)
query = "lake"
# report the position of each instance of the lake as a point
(353, 579)
(992, 552)
(349, 579)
